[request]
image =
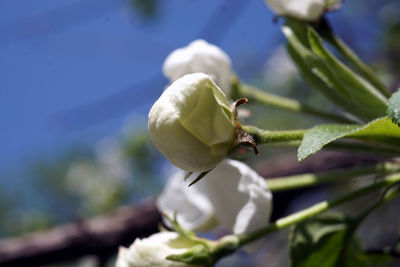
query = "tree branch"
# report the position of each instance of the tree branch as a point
(101, 236)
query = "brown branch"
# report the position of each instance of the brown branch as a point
(101, 236)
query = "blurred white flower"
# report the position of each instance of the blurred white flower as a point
(302, 9)
(99, 180)
(200, 56)
(231, 195)
(109, 154)
(152, 251)
(279, 68)
(192, 123)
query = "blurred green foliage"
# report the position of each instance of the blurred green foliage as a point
(82, 183)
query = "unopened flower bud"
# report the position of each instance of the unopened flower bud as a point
(192, 124)
(154, 250)
(200, 56)
(308, 10)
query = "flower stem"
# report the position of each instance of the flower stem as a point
(264, 136)
(311, 179)
(293, 137)
(285, 103)
(303, 215)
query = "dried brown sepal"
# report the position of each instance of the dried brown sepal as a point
(242, 138)
(235, 106)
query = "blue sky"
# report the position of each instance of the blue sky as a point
(58, 57)
(73, 72)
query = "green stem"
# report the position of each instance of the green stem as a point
(310, 179)
(285, 103)
(387, 196)
(303, 215)
(264, 136)
(293, 137)
(328, 34)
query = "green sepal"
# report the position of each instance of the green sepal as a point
(198, 254)
(393, 110)
(357, 88)
(315, 72)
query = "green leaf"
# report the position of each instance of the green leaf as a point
(327, 240)
(380, 130)
(393, 110)
(317, 74)
(312, 64)
(315, 241)
(358, 89)
(317, 80)
(370, 259)
(299, 28)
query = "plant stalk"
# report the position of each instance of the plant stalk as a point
(285, 103)
(311, 179)
(265, 136)
(294, 137)
(303, 215)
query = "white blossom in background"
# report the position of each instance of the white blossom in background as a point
(109, 154)
(98, 180)
(308, 10)
(191, 123)
(200, 56)
(232, 196)
(152, 251)
(279, 68)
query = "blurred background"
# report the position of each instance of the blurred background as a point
(77, 79)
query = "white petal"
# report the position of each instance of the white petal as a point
(233, 193)
(255, 213)
(200, 56)
(192, 205)
(306, 9)
(152, 251)
(222, 187)
(234, 188)
(302, 9)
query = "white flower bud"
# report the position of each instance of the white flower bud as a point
(232, 194)
(192, 123)
(200, 56)
(152, 251)
(302, 9)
